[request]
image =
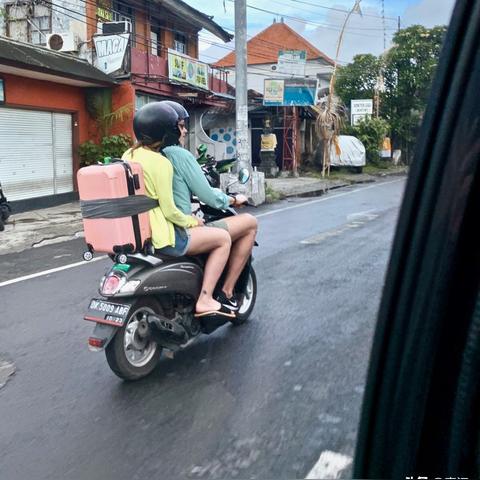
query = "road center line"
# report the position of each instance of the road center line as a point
(52, 270)
(79, 264)
(324, 199)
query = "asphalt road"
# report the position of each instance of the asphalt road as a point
(259, 401)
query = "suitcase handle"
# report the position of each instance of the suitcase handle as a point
(134, 176)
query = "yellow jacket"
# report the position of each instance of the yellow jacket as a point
(158, 175)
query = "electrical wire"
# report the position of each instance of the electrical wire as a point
(306, 22)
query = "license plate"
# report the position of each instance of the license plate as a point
(107, 312)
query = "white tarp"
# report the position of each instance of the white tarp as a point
(352, 153)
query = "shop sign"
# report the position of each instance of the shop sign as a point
(104, 14)
(184, 69)
(110, 51)
(290, 92)
(273, 92)
(360, 109)
(292, 62)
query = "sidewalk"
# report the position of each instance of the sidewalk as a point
(58, 224)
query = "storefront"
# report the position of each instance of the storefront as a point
(43, 119)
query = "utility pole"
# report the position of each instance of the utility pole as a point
(241, 104)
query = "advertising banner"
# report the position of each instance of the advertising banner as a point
(273, 92)
(187, 70)
(290, 92)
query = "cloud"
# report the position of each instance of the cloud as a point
(429, 13)
(363, 35)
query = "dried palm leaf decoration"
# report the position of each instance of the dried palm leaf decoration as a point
(332, 112)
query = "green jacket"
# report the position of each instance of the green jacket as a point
(189, 179)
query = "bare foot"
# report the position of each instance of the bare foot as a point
(207, 306)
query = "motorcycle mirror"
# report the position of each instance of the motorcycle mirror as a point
(243, 175)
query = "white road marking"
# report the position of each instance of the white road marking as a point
(78, 264)
(329, 466)
(356, 221)
(52, 270)
(331, 197)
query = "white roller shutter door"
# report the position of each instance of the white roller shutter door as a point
(63, 162)
(35, 153)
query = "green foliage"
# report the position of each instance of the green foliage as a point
(370, 131)
(110, 146)
(407, 69)
(99, 106)
(357, 80)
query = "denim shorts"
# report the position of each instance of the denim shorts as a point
(182, 242)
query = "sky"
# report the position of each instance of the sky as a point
(320, 22)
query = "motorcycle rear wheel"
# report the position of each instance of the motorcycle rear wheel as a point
(249, 299)
(128, 355)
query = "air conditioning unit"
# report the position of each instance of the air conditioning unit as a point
(62, 42)
(112, 28)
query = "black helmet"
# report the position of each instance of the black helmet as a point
(179, 108)
(156, 122)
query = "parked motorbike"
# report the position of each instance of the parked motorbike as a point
(147, 305)
(5, 209)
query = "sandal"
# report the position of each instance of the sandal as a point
(223, 312)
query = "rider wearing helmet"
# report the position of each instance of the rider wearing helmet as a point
(189, 179)
(173, 232)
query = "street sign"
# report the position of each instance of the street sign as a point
(292, 62)
(360, 109)
(290, 92)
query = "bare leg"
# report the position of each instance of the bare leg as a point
(217, 242)
(242, 229)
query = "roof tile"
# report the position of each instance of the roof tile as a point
(263, 47)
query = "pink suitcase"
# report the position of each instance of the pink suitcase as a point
(105, 195)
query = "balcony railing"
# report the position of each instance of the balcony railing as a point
(154, 67)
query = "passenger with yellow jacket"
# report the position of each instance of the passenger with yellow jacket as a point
(174, 233)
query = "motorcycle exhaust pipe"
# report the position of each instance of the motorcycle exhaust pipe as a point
(167, 326)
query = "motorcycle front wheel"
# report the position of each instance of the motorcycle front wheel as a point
(130, 355)
(249, 299)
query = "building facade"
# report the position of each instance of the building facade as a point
(130, 53)
(293, 126)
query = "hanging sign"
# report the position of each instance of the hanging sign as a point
(110, 51)
(187, 70)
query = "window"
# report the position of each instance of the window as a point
(141, 99)
(156, 41)
(29, 23)
(180, 43)
(122, 13)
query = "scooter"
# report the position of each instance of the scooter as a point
(5, 209)
(147, 306)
